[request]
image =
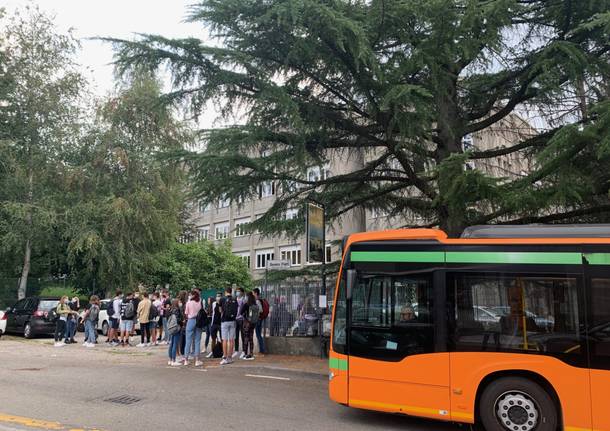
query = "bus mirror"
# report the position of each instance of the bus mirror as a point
(351, 280)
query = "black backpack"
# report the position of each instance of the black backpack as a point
(110, 308)
(229, 308)
(153, 313)
(53, 315)
(202, 319)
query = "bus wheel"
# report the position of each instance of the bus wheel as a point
(517, 404)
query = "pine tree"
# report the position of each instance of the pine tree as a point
(399, 83)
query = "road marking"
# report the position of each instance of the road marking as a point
(258, 376)
(35, 423)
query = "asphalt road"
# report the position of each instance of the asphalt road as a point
(70, 388)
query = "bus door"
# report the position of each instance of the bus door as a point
(393, 364)
(597, 271)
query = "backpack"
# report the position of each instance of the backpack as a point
(110, 309)
(217, 350)
(265, 310)
(53, 315)
(94, 313)
(202, 318)
(229, 308)
(253, 314)
(172, 325)
(130, 311)
(153, 313)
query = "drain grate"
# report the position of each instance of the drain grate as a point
(124, 400)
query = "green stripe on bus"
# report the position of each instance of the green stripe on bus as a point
(398, 256)
(337, 364)
(514, 257)
(598, 258)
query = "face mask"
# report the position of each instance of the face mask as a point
(239, 294)
(218, 298)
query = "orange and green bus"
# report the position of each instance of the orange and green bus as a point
(507, 326)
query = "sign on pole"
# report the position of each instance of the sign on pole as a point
(315, 230)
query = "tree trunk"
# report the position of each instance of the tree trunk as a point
(23, 281)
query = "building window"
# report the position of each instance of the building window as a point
(291, 214)
(203, 207)
(221, 230)
(264, 256)
(469, 166)
(245, 257)
(203, 233)
(318, 173)
(467, 142)
(266, 189)
(291, 254)
(224, 202)
(241, 227)
(328, 253)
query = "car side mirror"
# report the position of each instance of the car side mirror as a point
(350, 282)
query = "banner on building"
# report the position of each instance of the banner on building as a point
(315, 229)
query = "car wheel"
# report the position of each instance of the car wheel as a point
(105, 329)
(517, 404)
(27, 331)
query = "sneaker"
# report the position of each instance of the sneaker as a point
(90, 345)
(85, 344)
(243, 355)
(148, 344)
(114, 344)
(59, 344)
(175, 364)
(235, 354)
(248, 358)
(224, 361)
(169, 362)
(141, 345)
(198, 363)
(186, 362)
(209, 355)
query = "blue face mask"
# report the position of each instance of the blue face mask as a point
(239, 294)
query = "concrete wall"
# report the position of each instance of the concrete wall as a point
(302, 346)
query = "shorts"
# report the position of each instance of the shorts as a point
(214, 330)
(227, 330)
(127, 325)
(114, 323)
(153, 324)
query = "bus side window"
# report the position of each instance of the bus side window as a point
(599, 330)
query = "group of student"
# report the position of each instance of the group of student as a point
(225, 319)
(177, 322)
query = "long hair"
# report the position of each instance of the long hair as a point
(250, 298)
(195, 296)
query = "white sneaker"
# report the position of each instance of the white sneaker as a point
(90, 345)
(198, 363)
(141, 345)
(235, 354)
(85, 344)
(148, 344)
(170, 362)
(175, 364)
(186, 362)
(209, 355)
(59, 344)
(224, 362)
(243, 355)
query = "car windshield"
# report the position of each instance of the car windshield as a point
(47, 305)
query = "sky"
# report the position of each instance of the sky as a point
(115, 18)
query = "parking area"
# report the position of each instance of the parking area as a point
(133, 388)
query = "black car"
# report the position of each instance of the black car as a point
(30, 316)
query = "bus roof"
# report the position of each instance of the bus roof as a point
(525, 234)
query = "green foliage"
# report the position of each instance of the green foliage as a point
(200, 264)
(398, 84)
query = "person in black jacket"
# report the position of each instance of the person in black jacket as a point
(174, 313)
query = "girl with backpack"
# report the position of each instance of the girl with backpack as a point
(250, 313)
(193, 332)
(90, 318)
(174, 329)
(62, 311)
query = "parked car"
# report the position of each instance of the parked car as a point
(3, 318)
(30, 316)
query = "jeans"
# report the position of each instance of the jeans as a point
(70, 329)
(60, 329)
(145, 332)
(238, 333)
(259, 336)
(89, 332)
(193, 339)
(173, 346)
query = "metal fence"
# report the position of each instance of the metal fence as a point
(294, 309)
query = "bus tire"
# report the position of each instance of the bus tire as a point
(517, 404)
